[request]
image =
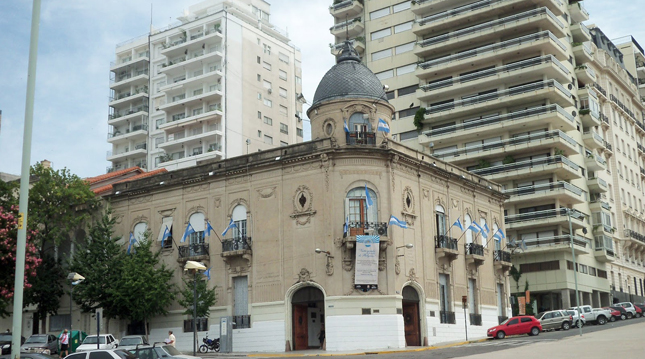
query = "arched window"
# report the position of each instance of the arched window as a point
(139, 231)
(440, 215)
(469, 234)
(482, 223)
(359, 122)
(239, 218)
(357, 210)
(196, 220)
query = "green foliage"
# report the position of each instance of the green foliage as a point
(46, 287)
(9, 193)
(508, 159)
(205, 297)
(585, 111)
(516, 275)
(559, 152)
(483, 164)
(419, 116)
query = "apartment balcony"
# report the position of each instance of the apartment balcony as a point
(597, 204)
(137, 114)
(125, 99)
(597, 185)
(550, 90)
(546, 66)
(346, 9)
(350, 28)
(450, 14)
(641, 150)
(580, 33)
(195, 43)
(605, 121)
(595, 163)
(193, 252)
(582, 53)
(587, 91)
(364, 228)
(589, 119)
(175, 121)
(585, 74)
(577, 11)
(541, 18)
(138, 151)
(565, 192)
(544, 42)
(519, 146)
(562, 243)
(561, 166)
(642, 172)
(131, 78)
(553, 115)
(212, 75)
(502, 260)
(130, 62)
(592, 140)
(358, 43)
(475, 254)
(181, 101)
(635, 238)
(600, 91)
(446, 247)
(131, 133)
(182, 65)
(177, 140)
(619, 105)
(180, 159)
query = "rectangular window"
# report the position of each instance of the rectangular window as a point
(404, 48)
(283, 92)
(266, 65)
(380, 34)
(385, 75)
(283, 144)
(299, 132)
(259, 78)
(259, 115)
(401, 6)
(409, 135)
(540, 266)
(381, 54)
(283, 75)
(407, 90)
(268, 103)
(403, 27)
(379, 13)
(266, 84)
(259, 96)
(259, 60)
(284, 128)
(408, 112)
(268, 121)
(259, 133)
(268, 140)
(298, 81)
(405, 69)
(283, 110)
(284, 58)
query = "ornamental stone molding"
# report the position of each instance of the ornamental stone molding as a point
(302, 205)
(304, 275)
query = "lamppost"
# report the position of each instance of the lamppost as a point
(575, 274)
(195, 267)
(75, 279)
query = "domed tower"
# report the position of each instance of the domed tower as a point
(349, 102)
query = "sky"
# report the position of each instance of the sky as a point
(77, 40)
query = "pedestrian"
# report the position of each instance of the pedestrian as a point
(321, 336)
(171, 338)
(64, 344)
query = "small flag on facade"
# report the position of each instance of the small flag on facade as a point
(230, 225)
(383, 126)
(166, 235)
(397, 222)
(131, 242)
(368, 197)
(346, 227)
(189, 230)
(458, 224)
(474, 227)
(345, 125)
(207, 273)
(209, 228)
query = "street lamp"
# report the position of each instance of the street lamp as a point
(194, 267)
(75, 279)
(575, 274)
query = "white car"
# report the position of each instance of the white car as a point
(629, 307)
(105, 341)
(102, 354)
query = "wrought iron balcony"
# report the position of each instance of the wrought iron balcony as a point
(502, 256)
(360, 138)
(240, 243)
(193, 250)
(635, 235)
(446, 242)
(447, 317)
(474, 249)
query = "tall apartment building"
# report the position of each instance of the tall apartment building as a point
(504, 88)
(220, 83)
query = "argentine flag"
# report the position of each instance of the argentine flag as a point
(383, 126)
(397, 222)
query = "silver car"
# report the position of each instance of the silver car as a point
(130, 342)
(554, 320)
(40, 343)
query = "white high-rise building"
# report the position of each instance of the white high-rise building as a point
(220, 83)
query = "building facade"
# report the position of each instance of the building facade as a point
(290, 266)
(499, 88)
(222, 82)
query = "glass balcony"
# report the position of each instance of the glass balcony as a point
(351, 28)
(562, 243)
(349, 8)
(577, 11)
(562, 190)
(593, 140)
(580, 33)
(559, 164)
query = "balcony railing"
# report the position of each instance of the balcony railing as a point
(193, 250)
(360, 138)
(488, 25)
(343, 24)
(494, 71)
(344, 4)
(494, 47)
(502, 256)
(601, 181)
(475, 319)
(362, 228)
(445, 242)
(527, 164)
(558, 240)
(129, 111)
(513, 116)
(447, 317)
(615, 100)
(497, 94)
(538, 137)
(117, 133)
(547, 187)
(550, 213)
(123, 77)
(595, 136)
(236, 244)
(474, 249)
(459, 10)
(604, 118)
(599, 88)
(635, 235)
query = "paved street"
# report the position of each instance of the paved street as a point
(623, 339)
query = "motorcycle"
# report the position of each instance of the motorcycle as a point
(209, 344)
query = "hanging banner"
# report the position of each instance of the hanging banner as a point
(367, 250)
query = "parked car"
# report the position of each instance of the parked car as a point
(131, 341)
(523, 324)
(105, 341)
(642, 308)
(639, 311)
(596, 315)
(102, 353)
(159, 351)
(578, 318)
(629, 307)
(40, 343)
(5, 343)
(554, 320)
(615, 314)
(32, 356)
(623, 312)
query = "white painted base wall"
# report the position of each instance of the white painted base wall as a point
(444, 333)
(262, 337)
(364, 332)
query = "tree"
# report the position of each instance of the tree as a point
(206, 298)
(8, 194)
(46, 288)
(100, 260)
(145, 289)
(8, 245)
(419, 116)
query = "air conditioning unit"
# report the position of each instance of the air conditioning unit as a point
(269, 90)
(369, 232)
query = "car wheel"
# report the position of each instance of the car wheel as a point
(566, 326)
(501, 335)
(602, 320)
(630, 315)
(638, 315)
(623, 316)
(535, 331)
(612, 319)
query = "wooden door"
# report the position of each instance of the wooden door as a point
(411, 324)
(300, 329)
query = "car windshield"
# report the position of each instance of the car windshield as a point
(124, 355)
(5, 337)
(92, 340)
(171, 350)
(504, 322)
(131, 341)
(36, 339)
(539, 316)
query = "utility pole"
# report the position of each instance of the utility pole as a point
(575, 272)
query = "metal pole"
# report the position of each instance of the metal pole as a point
(19, 281)
(71, 295)
(575, 274)
(98, 330)
(465, 323)
(195, 313)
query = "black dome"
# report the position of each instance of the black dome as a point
(349, 78)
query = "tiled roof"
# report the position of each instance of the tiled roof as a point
(114, 174)
(108, 188)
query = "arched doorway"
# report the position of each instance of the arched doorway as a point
(308, 318)
(411, 322)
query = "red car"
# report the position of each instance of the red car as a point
(522, 324)
(639, 311)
